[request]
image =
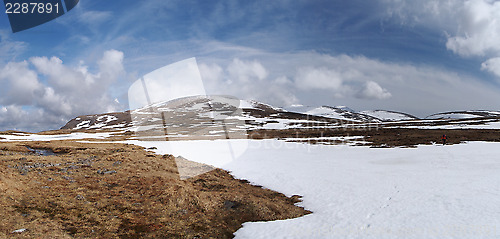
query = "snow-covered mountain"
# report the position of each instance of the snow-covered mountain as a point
(229, 117)
(215, 116)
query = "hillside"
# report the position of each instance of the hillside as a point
(465, 114)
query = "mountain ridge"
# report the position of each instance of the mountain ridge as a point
(254, 114)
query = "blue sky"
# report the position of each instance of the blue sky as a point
(418, 57)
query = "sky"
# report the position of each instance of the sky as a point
(419, 57)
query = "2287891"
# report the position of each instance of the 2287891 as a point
(24, 8)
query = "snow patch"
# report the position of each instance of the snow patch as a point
(37, 137)
(387, 115)
(83, 124)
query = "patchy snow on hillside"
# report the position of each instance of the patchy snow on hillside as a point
(328, 113)
(246, 104)
(106, 118)
(453, 116)
(465, 114)
(253, 104)
(341, 113)
(387, 115)
(298, 108)
(461, 125)
(83, 124)
(360, 192)
(344, 108)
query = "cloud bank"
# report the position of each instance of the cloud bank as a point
(43, 93)
(357, 81)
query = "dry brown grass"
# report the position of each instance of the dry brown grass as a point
(386, 137)
(123, 191)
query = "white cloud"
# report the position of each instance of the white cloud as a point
(479, 32)
(61, 77)
(344, 76)
(52, 92)
(492, 65)
(19, 84)
(472, 27)
(111, 66)
(16, 118)
(291, 76)
(78, 82)
(211, 72)
(319, 78)
(245, 71)
(247, 79)
(372, 90)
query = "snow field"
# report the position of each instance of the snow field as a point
(360, 192)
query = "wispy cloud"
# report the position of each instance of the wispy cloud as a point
(10, 49)
(92, 18)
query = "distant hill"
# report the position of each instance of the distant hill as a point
(465, 114)
(228, 117)
(387, 115)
